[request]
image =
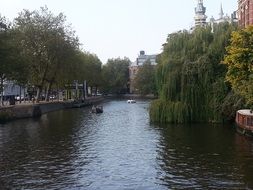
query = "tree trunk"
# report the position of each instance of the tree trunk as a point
(87, 89)
(84, 90)
(24, 93)
(2, 90)
(58, 91)
(39, 89)
(76, 87)
(91, 90)
(96, 90)
(47, 93)
(49, 87)
(20, 94)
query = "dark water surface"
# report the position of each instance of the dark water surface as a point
(119, 149)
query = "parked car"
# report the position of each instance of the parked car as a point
(52, 97)
(18, 98)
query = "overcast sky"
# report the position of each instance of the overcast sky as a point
(121, 28)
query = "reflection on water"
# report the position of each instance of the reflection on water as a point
(205, 157)
(119, 149)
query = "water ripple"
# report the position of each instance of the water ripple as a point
(120, 149)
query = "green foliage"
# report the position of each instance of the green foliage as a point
(239, 60)
(39, 49)
(85, 66)
(190, 78)
(169, 112)
(231, 104)
(5, 55)
(115, 75)
(145, 79)
(12, 63)
(5, 50)
(92, 69)
(48, 45)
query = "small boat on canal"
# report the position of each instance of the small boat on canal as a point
(244, 121)
(97, 109)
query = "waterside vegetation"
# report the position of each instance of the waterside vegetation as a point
(144, 81)
(191, 78)
(41, 52)
(239, 60)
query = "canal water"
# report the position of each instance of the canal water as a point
(120, 150)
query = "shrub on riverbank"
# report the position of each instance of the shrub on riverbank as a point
(169, 112)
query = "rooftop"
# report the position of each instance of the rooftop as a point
(247, 112)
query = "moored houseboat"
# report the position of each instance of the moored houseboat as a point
(244, 121)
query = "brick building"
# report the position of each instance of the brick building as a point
(135, 66)
(245, 13)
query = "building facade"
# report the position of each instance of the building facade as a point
(200, 17)
(245, 13)
(134, 67)
(221, 18)
(10, 89)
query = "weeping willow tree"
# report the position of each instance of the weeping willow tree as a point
(190, 78)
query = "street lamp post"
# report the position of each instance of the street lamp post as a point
(3, 27)
(76, 88)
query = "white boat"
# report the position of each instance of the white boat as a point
(131, 101)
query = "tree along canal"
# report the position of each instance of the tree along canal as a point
(120, 149)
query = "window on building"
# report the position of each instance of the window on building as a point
(250, 121)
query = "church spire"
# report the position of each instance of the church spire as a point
(221, 14)
(200, 17)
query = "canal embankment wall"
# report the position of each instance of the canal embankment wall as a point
(21, 111)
